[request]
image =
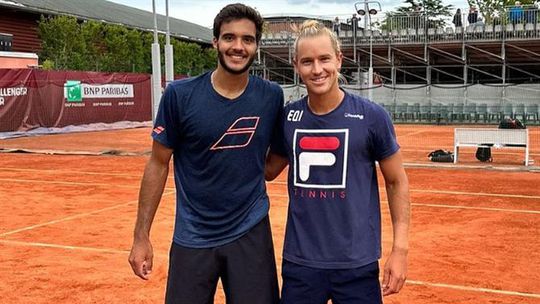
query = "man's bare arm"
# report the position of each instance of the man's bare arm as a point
(152, 186)
(397, 190)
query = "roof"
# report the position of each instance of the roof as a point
(102, 10)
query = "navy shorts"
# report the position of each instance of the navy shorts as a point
(307, 285)
(246, 266)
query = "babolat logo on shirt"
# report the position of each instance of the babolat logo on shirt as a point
(159, 129)
(238, 135)
(320, 158)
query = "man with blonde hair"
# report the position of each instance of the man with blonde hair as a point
(332, 140)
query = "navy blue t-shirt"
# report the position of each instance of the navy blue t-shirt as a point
(219, 153)
(334, 217)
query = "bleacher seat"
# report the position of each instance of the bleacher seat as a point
(519, 111)
(519, 30)
(434, 112)
(509, 29)
(531, 113)
(401, 111)
(390, 108)
(425, 111)
(494, 113)
(413, 112)
(444, 113)
(507, 111)
(481, 112)
(529, 28)
(469, 112)
(457, 112)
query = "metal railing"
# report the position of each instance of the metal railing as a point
(420, 28)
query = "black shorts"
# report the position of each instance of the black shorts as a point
(246, 266)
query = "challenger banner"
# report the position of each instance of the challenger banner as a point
(35, 98)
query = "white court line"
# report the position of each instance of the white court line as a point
(412, 282)
(476, 289)
(477, 208)
(66, 247)
(477, 193)
(82, 248)
(413, 133)
(449, 206)
(72, 183)
(66, 183)
(76, 216)
(454, 192)
(55, 171)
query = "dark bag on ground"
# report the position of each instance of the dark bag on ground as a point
(484, 154)
(441, 156)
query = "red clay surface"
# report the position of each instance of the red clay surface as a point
(67, 222)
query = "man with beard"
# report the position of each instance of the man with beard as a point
(218, 126)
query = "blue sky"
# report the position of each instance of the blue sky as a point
(202, 12)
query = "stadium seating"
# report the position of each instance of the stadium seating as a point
(531, 113)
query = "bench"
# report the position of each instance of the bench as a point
(484, 137)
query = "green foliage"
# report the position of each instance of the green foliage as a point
(68, 44)
(493, 10)
(64, 44)
(413, 15)
(48, 65)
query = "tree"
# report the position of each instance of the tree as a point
(417, 14)
(492, 10)
(62, 42)
(70, 44)
(435, 11)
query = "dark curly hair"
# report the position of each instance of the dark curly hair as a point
(235, 12)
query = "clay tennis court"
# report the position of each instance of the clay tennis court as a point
(67, 221)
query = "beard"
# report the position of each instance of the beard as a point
(227, 68)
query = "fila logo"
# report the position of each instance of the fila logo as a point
(295, 115)
(308, 159)
(238, 135)
(320, 158)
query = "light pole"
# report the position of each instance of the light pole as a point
(169, 56)
(156, 67)
(367, 12)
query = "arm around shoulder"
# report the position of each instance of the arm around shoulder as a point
(274, 165)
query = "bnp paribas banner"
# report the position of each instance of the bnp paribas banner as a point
(34, 98)
(75, 91)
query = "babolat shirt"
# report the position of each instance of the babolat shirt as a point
(219, 154)
(334, 219)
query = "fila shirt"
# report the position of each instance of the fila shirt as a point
(219, 153)
(334, 217)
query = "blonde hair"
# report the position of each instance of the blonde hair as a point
(313, 28)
